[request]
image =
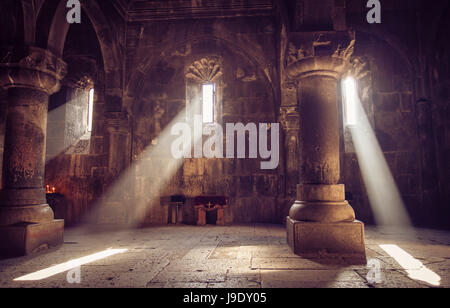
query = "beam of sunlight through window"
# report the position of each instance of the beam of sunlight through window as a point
(154, 162)
(90, 110)
(413, 267)
(350, 101)
(208, 103)
(63, 267)
(385, 199)
(55, 146)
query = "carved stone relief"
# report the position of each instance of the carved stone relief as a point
(204, 70)
(242, 75)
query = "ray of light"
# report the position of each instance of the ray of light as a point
(383, 193)
(143, 182)
(413, 267)
(63, 267)
(56, 120)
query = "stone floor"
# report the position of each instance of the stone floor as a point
(243, 256)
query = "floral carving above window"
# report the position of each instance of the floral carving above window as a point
(206, 70)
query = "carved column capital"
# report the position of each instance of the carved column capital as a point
(31, 67)
(82, 72)
(319, 53)
(289, 118)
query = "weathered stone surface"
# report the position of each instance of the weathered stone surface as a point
(317, 238)
(30, 75)
(321, 221)
(155, 93)
(151, 260)
(27, 238)
(138, 53)
(321, 193)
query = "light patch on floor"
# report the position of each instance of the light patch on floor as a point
(241, 256)
(415, 269)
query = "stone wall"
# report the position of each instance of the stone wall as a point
(67, 119)
(246, 96)
(76, 115)
(2, 132)
(76, 160)
(80, 179)
(402, 67)
(440, 87)
(389, 104)
(79, 173)
(396, 54)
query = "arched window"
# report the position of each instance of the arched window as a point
(208, 102)
(90, 110)
(202, 85)
(350, 100)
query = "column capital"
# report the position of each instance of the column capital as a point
(31, 67)
(82, 72)
(319, 54)
(289, 118)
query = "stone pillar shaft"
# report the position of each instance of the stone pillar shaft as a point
(25, 138)
(23, 196)
(321, 221)
(289, 118)
(319, 196)
(319, 133)
(30, 75)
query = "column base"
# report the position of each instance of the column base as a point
(28, 238)
(321, 239)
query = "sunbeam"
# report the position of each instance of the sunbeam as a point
(413, 267)
(156, 160)
(63, 267)
(383, 193)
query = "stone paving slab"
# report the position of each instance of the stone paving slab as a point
(242, 256)
(297, 264)
(307, 278)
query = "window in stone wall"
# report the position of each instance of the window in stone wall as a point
(69, 124)
(350, 99)
(90, 110)
(203, 83)
(208, 102)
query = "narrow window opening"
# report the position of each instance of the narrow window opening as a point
(208, 103)
(90, 110)
(350, 99)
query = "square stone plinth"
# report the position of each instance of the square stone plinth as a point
(27, 238)
(313, 239)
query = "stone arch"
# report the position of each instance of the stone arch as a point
(29, 18)
(391, 40)
(439, 46)
(142, 70)
(45, 13)
(38, 5)
(12, 28)
(142, 98)
(108, 44)
(438, 26)
(111, 52)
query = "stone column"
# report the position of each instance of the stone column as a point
(30, 75)
(117, 201)
(289, 120)
(321, 221)
(118, 126)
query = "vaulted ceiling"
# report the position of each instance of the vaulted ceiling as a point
(144, 10)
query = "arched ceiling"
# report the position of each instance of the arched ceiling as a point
(145, 10)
